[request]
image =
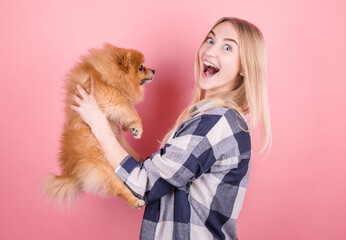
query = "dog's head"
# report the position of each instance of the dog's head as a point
(122, 68)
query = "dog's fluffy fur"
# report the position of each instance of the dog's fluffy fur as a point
(118, 76)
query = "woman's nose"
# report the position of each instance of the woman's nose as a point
(211, 51)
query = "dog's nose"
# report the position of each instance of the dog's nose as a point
(153, 71)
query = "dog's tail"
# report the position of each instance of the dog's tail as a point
(62, 188)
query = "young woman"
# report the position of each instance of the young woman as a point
(194, 185)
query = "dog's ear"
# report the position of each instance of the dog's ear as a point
(125, 62)
(129, 58)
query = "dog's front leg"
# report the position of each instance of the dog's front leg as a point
(124, 113)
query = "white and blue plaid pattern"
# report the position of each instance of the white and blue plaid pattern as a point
(195, 185)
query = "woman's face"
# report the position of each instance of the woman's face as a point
(219, 59)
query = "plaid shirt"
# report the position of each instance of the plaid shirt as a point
(195, 185)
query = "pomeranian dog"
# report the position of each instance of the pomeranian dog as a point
(119, 76)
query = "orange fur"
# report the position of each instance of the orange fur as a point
(118, 76)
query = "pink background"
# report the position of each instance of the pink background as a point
(298, 192)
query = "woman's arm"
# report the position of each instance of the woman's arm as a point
(116, 128)
(129, 149)
(116, 148)
(114, 151)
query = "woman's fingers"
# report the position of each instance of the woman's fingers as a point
(77, 99)
(82, 91)
(92, 86)
(75, 108)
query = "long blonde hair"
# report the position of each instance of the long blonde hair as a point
(250, 93)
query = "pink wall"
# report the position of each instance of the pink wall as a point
(298, 192)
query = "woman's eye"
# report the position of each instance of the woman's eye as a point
(141, 68)
(227, 48)
(209, 40)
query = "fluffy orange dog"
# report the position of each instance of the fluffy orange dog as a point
(118, 75)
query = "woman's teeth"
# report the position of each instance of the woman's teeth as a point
(209, 64)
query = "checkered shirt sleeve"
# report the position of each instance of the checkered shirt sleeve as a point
(190, 151)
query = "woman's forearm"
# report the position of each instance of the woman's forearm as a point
(113, 150)
(128, 148)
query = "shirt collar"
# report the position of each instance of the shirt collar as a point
(204, 103)
(196, 110)
(201, 104)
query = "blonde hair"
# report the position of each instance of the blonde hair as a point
(249, 95)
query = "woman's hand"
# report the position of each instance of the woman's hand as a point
(88, 109)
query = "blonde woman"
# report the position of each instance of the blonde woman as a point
(194, 185)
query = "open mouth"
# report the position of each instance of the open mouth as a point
(209, 69)
(145, 81)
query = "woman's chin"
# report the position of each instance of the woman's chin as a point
(205, 83)
(202, 85)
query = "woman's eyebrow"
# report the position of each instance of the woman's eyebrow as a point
(225, 39)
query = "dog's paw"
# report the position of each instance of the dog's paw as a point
(139, 204)
(137, 132)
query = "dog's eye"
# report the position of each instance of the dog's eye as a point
(141, 68)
